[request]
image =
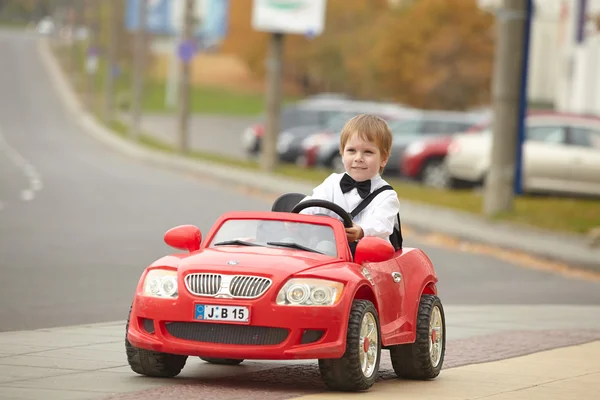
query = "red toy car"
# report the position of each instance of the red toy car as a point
(285, 286)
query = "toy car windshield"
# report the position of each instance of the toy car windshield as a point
(270, 233)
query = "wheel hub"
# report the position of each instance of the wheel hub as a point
(436, 336)
(368, 344)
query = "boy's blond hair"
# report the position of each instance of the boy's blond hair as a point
(370, 128)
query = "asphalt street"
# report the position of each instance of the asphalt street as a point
(78, 222)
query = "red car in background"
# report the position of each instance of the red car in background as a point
(424, 160)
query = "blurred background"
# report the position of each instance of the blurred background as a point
(201, 78)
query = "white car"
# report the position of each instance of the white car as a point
(561, 154)
(45, 26)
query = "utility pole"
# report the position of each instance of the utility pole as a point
(274, 82)
(91, 14)
(109, 82)
(506, 96)
(139, 69)
(74, 19)
(186, 51)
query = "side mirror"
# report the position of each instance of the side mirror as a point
(184, 237)
(373, 249)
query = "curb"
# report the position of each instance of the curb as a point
(564, 248)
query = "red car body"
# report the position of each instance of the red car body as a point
(274, 331)
(432, 149)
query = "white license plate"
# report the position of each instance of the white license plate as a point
(207, 312)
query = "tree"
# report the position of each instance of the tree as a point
(327, 62)
(438, 54)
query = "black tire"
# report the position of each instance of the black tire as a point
(432, 175)
(345, 373)
(413, 361)
(222, 361)
(152, 363)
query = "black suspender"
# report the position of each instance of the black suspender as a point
(396, 237)
(367, 200)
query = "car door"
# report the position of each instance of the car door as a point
(389, 287)
(545, 157)
(584, 165)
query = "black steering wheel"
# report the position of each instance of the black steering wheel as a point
(325, 204)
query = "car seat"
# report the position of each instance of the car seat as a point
(287, 201)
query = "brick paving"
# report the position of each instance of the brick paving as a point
(292, 381)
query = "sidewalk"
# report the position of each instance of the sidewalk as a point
(563, 248)
(570, 373)
(491, 350)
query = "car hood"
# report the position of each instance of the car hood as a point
(266, 261)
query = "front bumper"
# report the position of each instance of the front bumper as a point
(274, 332)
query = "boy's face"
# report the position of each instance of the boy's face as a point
(362, 159)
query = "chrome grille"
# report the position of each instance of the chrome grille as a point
(248, 286)
(236, 286)
(203, 284)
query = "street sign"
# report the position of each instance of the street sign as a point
(303, 17)
(165, 17)
(158, 19)
(186, 50)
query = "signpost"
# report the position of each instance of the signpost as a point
(191, 26)
(522, 122)
(278, 17)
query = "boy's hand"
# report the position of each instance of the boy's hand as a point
(354, 233)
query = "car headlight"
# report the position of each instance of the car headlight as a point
(161, 283)
(310, 292)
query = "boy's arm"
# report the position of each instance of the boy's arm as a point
(381, 220)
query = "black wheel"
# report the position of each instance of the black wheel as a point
(152, 363)
(424, 358)
(222, 361)
(357, 369)
(436, 175)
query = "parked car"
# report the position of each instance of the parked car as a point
(46, 26)
(314, 111)
(405, 130)
(561, 154)
(290, 146)
(423, 160)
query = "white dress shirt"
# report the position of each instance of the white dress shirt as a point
(377, 219)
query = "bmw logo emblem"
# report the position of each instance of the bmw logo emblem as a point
(233, 262)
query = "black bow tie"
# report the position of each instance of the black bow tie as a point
(348, 183)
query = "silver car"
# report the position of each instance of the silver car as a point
(561, 154)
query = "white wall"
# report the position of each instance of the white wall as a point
(543, 57)
(578, 88)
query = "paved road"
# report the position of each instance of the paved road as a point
(79, 223)
(211, 134)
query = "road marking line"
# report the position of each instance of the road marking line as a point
(33, 176)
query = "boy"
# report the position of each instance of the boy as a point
(365, 145)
